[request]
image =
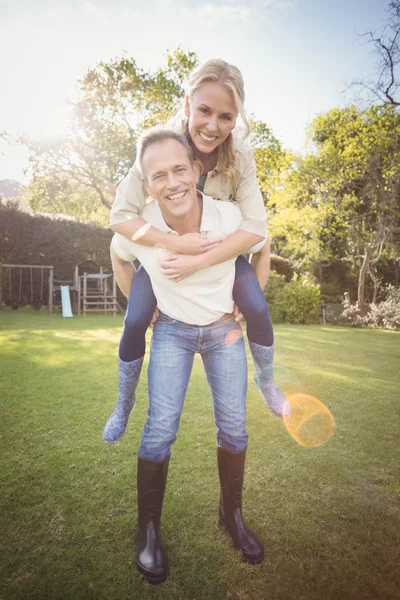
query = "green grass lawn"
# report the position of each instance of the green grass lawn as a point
(329, 516)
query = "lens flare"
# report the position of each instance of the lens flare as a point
(160, 251)
(141, 232)
(287, 381)
(308, 420)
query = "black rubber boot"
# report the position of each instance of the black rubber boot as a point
(150, 555)
(231, 474)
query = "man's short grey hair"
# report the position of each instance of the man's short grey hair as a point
(157, 135)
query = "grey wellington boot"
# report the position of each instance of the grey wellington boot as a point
(128, 377)
(263, 357)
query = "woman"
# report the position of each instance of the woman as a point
(211, 107)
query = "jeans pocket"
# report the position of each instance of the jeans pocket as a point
(164, 319)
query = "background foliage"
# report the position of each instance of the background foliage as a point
(334, 212)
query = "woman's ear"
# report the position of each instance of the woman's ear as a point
(187, 106)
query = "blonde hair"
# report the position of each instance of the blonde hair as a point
(229, 76)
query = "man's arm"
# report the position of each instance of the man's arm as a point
(124, 272)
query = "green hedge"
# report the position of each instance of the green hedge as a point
(38, 240)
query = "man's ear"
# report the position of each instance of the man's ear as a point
(187, 106)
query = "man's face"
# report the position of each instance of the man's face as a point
(170, 178)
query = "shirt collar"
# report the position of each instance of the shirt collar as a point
(207, 217)
(208, 214)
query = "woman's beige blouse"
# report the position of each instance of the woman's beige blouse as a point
(131, 195)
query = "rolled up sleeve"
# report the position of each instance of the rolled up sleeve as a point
(130, 198)
(123, 248)
(257, 247)
(249, 197)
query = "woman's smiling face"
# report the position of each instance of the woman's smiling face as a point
(212, 115)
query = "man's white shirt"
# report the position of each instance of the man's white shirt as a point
(205, 296)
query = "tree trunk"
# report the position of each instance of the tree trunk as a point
(361, 279)
(376, 283)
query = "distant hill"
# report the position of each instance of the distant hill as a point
(10, 188)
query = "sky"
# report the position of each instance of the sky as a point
(297, 57)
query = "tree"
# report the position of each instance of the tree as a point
(274, 165)
(271, 158)
(357, 164)
(342, 202)
(386, 43)
(294, 216)
(79, 174)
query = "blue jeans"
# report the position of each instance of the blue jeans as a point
(173, 347)
(247, 294)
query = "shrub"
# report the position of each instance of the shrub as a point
(297, 302)
(275, 284)
(393, 293)
(385, 315)
(352, 316)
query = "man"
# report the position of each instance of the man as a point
(195, 316)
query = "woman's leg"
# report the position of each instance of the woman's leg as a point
(249, 297)
(141, 305)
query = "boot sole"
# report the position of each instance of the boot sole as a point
(153, 579)
(250, 559)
